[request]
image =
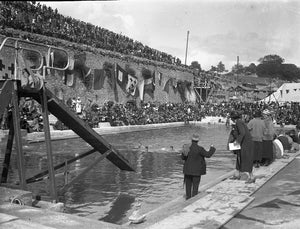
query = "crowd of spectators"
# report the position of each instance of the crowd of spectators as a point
(131, 113)
(39, 19)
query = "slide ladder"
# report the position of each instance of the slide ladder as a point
(70, 119)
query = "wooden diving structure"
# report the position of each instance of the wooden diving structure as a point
(11, 89)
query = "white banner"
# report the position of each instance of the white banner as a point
(131, 84)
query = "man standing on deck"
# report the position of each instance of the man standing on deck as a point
(257, 128)
(194, 165)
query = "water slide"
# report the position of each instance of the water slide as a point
(70, 119)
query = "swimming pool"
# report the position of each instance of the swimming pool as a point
(109, 194)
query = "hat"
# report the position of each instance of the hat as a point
(266, 112)
(235, 115)
(257, 114)
(195, 137)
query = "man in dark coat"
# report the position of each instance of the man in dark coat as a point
(194, 165)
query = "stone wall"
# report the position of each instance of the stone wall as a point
(95, 60)
(55, 83)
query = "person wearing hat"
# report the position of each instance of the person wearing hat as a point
(194, 165)
(257, 128)
(244, 138)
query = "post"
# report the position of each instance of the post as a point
(53, 190)
(237, 69)
(8, 151)
(186, 48)
(66, 172)
(18, 136)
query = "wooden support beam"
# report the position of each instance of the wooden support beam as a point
(6, 89)
(95, 162)
(53, 191)
(39, 176)
(8, 151)
(62, 174)
(18, 137)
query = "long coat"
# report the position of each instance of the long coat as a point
(195, 164)
(244, 138)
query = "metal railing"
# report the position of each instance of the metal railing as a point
(19, 45)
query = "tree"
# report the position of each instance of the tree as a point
(269, 70)
(271, 59)
(238, 68)
(213, 68)
(251, 68)
(220, 67)
(270, 66)
(290, 72)
(196, 65)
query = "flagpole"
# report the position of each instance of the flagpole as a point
(186, 48)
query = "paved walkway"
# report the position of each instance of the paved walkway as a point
(223, 201)
(276, 204)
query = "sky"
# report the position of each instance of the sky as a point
(219, 30)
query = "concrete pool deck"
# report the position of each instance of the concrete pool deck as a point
(276, 204)
(217, 205)
(220, 203)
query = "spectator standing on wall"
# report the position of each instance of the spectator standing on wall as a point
(73, 104)
(78, 106)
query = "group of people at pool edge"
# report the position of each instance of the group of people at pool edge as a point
(254, 148)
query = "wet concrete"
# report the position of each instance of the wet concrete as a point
(276, 204)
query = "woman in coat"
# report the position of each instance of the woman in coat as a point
(194, 165)
(232, 138)
(257, 128)
(244, 138)
(269, 135)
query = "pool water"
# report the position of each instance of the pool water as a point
(109, 194)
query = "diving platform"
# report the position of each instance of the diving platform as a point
(70, 119)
